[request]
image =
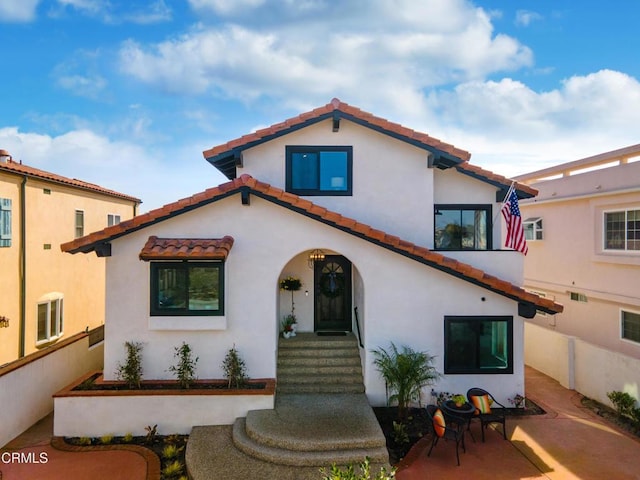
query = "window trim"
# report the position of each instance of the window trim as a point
(535, 230)
(155, 311)
(48, 299)
(290, 149)
(6, 207)
(487, 207)
(622, 337)
(508, 319)
(625, 250)
(76, 225)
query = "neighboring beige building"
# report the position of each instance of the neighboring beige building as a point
(45, 294)
(583, 232)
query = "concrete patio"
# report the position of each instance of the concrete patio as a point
(569, 442)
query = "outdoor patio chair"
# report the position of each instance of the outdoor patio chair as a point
(454, 431)
(486, 409)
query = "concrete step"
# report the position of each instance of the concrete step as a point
(284, 361)
(315, 369)
(324, 351)
(327, 378)
(320, 388)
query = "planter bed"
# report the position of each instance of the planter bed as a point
(115, 410)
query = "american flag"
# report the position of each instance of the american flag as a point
(515, 233)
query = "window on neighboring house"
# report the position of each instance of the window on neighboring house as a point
(79, 223)
(542, 295)
(319, 170)
(113, 219)
(578, 297)
(5, 222)
(462, 227)
(532, 229)
(50, 318)
(187, 288)
(478, 344)
(622, 230)
(630, 325)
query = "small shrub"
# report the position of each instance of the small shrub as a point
(151, 433)
(625, 405)
(131, 371)
(128, 438)
(185, 369)
(169, 452)
(172, 469)
(400, 435)
(234, 369)
(106, 439)
(336, 473)
(84, 441)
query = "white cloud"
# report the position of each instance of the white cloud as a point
(159, 177)
(225, 6)
(18, 11)
(155, 13)
(525, 17)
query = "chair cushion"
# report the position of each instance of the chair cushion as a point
(482, 404)
(438, 423)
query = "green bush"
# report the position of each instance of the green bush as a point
(405, 373)
(400, 435)
(185, 369)
(234, 369)
(131, 370)
(625, 405)
(336, 473)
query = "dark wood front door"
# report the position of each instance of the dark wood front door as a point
(332, 281)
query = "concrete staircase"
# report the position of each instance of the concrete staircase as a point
(308, 363)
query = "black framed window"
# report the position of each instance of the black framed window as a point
(622, 230)
(478, 344)
(630, 326)
(462, 227)
(322, 170)
(187, 288)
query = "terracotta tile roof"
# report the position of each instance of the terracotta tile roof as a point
(191, 248)
(20, 169)
(221, 156)
(293, 202)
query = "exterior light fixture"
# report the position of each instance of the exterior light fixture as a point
(315, 256)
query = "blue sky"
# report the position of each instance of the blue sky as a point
(128, 94)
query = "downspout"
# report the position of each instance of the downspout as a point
(23, 266)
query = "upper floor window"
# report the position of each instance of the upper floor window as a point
(50, 318)
(187, 288)
(630, 325)
(113, 219)
(79, 223)
(622, 230)
(532, 229)
(462, 227)
(319, 170)
(5, 222)
(478, 344)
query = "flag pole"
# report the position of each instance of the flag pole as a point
(511, 188)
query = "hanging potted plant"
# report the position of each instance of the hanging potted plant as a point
(291, 284)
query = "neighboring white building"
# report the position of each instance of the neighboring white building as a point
(584, 247)
(405, 225)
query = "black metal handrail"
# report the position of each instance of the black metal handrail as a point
(355, 311)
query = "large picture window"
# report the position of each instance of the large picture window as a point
(50, 321)
(462, 227)
(622, 230)
(478, 344)
(187, 288)
(322, 170)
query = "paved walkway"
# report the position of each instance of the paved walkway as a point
(569, 442)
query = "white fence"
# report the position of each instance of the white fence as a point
(27, 385)
(593, 371)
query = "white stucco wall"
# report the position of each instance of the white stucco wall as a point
(392, 186)
(400, 300)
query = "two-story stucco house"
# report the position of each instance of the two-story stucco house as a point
(584, 247)
(45, 295)
(368, 214)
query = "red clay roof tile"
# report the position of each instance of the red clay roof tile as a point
(192, 248)
(20, 169)
(391, 242)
